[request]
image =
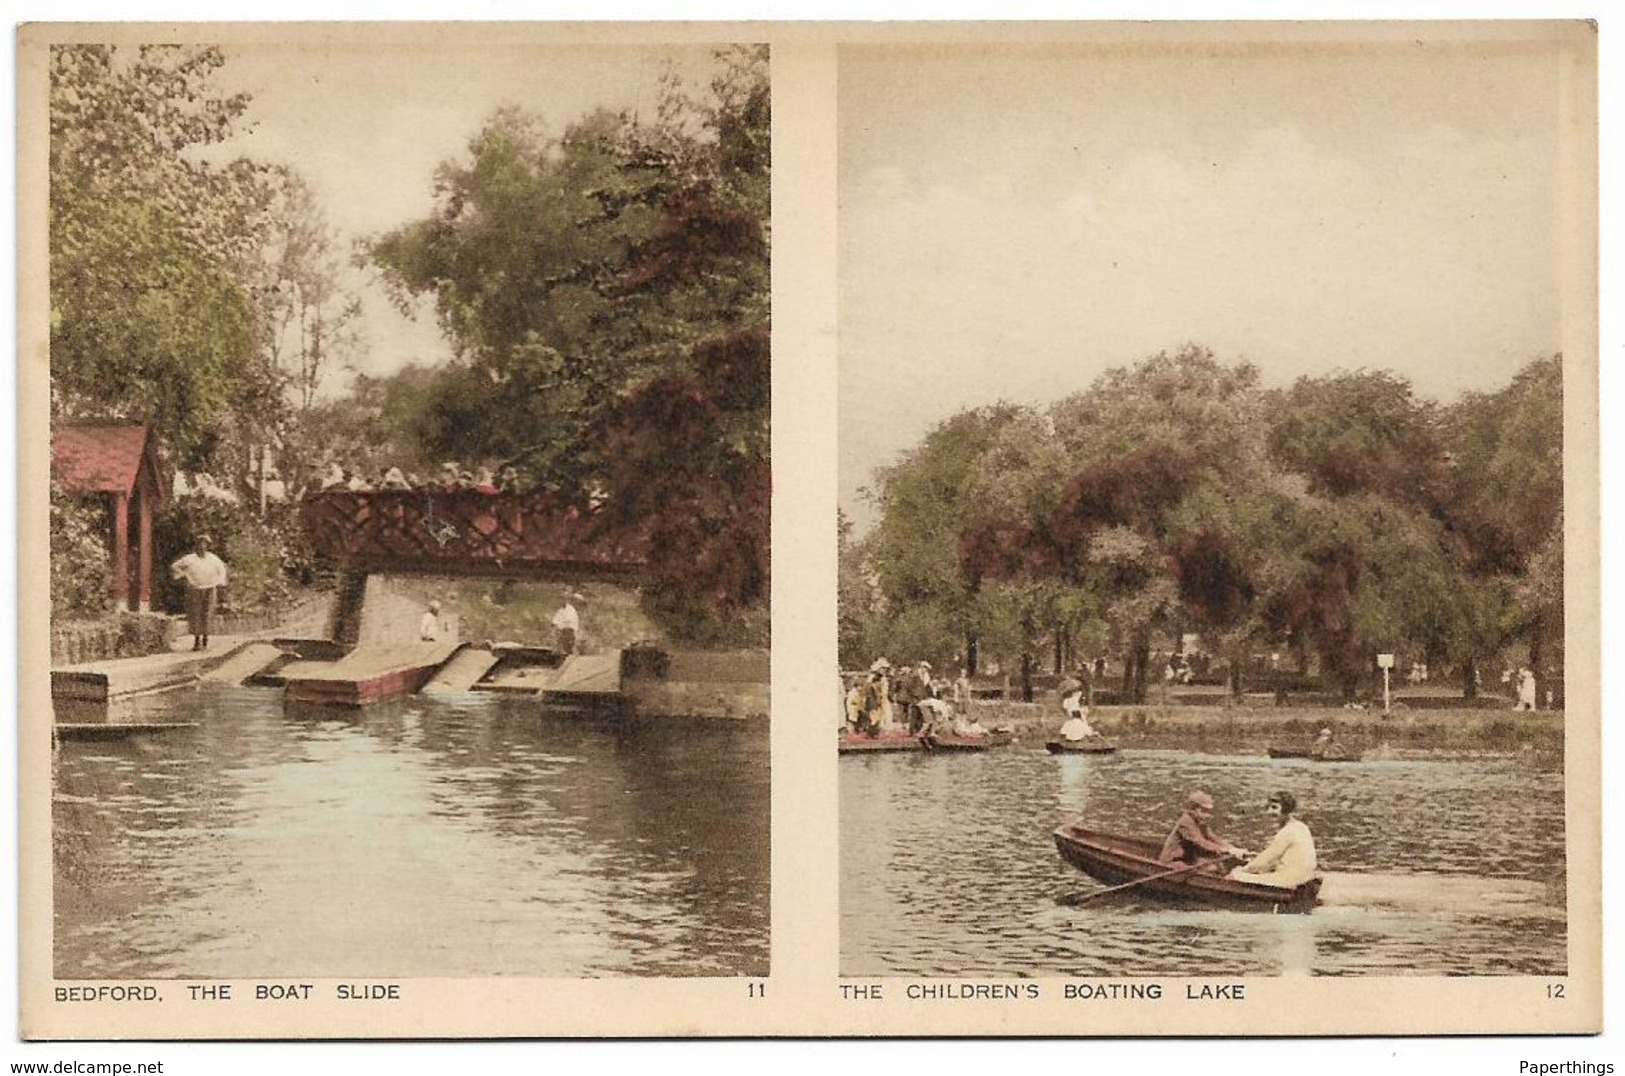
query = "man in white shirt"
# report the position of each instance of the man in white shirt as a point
(204, 574)
(429, 626)
(567, 624)
(1289, 860)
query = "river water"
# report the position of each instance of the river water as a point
(473, 835)
(1434, 867)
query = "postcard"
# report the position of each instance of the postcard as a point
(559, 530)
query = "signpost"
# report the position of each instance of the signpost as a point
(1385, 662)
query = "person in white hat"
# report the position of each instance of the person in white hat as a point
(429, 626)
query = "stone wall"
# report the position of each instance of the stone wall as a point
(118, 635)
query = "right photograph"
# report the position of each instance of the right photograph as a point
(1201, 586)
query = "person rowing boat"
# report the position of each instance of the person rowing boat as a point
(1192, 840)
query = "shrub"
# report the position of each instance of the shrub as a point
(81, 568)
(257, 552)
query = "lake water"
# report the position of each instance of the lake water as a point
(1435, 868)
(476, 835)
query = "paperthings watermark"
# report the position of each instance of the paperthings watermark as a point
(1564, 1068)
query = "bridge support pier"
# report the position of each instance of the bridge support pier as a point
(344, 621)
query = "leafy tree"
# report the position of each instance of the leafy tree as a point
(155, 252)
(144, 327)
(1362, 432)
(81, 574)
(607, 294)
(1505, 511)
(927, 500)
(310, 318)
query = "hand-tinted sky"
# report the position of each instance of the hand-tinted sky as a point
(367, 124)
(1015, 221)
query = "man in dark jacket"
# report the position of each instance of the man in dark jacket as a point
(1192, 839)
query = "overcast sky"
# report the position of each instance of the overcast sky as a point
(1015, 222)
(367, 126)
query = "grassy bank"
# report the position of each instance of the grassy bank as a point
(1232, 729)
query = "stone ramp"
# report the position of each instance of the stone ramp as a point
(248, 660)
(367, 673)
(465, 669)
(589, 674)
(100, 681)
(577, 675)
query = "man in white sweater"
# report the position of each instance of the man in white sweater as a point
(204, 574)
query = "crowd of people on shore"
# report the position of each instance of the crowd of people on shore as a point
(908, 700)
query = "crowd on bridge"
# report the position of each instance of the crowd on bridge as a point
(451, 477)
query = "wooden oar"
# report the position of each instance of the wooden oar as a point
(1073, 900)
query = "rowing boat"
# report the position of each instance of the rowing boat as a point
(1115, 858)
(945, 744)
(1093, 746)
(887, 742)
(1314, 754)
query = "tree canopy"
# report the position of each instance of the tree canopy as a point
(606, 291)
(1335, 518)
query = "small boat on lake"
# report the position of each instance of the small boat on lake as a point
(1095, 745)
(944, 743)
(1316, 754)
(856, 743)
(1116, 859)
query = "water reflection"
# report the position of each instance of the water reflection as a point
(947, 867)
(467, 835)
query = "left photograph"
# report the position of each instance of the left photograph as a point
(409, 508)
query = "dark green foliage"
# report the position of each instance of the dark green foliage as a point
(608, 294)
(81, 575)
(262, 556)
(1338, 518)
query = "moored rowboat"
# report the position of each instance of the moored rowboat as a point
(1094, 746)
(945, 744)
(1115, 858)
(858, 744)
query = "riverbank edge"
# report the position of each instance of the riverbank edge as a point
(1454, 731)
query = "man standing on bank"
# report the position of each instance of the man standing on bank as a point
(205, 575)
(429, 625)
(567, 623)
(1289, 860)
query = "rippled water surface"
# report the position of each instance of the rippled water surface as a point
(1436, 868)
(467, 836)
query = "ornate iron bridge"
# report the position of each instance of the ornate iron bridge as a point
(467, 532)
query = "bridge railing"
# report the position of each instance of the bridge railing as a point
(467, 532)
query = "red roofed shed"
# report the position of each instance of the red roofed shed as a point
(120, 462)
